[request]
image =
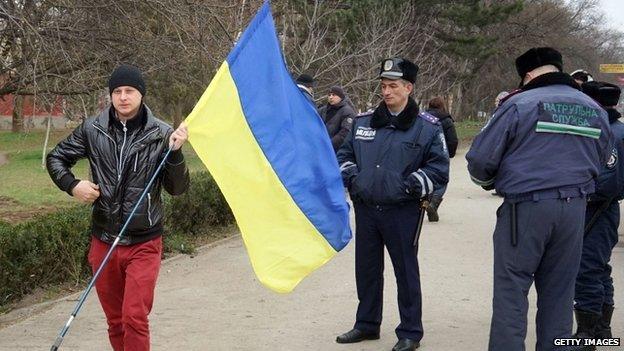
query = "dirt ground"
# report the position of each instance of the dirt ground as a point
(214, 302)
(13, 212)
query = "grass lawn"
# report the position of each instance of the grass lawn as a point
(466, 130)
(26, 187)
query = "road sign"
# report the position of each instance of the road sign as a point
(612, 68)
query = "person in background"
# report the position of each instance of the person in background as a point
(437, 108)
(305, 83)
(502, 95)
(593, 297)
(337, 115)
(581, 76)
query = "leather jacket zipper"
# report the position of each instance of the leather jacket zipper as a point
(106, 134)
(149, 208)
(145, 136)
(120, 166)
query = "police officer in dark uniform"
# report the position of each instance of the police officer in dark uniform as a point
(542, 150)
(594, 286)
(393, 158)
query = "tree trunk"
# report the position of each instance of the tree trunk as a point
(458, 103)
(177, 114)
(18, 114)
(45, 143)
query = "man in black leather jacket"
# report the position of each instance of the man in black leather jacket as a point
(124, 144)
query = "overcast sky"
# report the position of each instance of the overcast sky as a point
(614, 10)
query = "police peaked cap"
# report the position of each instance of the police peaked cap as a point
(398, 68)
(306, 80)
(606, 94)
(537, 57)
(582, 75)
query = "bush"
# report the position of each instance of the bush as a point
(202, 206)
(52, 248)
(49, 249)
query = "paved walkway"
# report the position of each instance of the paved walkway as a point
(214, 302)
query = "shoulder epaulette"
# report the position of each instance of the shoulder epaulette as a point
(364, 114)
(514, 92)
(428, 117)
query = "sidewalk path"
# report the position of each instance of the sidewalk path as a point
(214, 302)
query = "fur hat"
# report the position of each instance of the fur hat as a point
(606, 94)
(538, 57)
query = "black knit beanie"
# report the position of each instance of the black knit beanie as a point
(126, 75)
(336, 90)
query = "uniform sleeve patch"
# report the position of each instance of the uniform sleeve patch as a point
(613, 159)
(428, 117)
(443, 141)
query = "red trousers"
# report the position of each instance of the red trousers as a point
(125, 288)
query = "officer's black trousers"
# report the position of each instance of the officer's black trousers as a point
(393, 227)
(594, 285)
(548, 251)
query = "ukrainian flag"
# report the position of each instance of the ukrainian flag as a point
(270, 154)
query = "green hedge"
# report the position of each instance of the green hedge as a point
(200, 207)
(52, 248)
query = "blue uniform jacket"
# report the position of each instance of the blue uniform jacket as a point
(610, 182)
(549, 136)
(396, 162)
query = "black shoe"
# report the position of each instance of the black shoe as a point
(432, 209)
(356, 335)
(406, 345)
(603, 328)
(586, 323)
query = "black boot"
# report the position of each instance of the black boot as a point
(586, 323)
(432, 209)
(603, 329)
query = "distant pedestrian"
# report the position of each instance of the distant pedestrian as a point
(337, 115)
(581, 76)
(305, 83)
(593, 298)
(437, 107)
(500, 97)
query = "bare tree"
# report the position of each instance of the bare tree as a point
(350, 55)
